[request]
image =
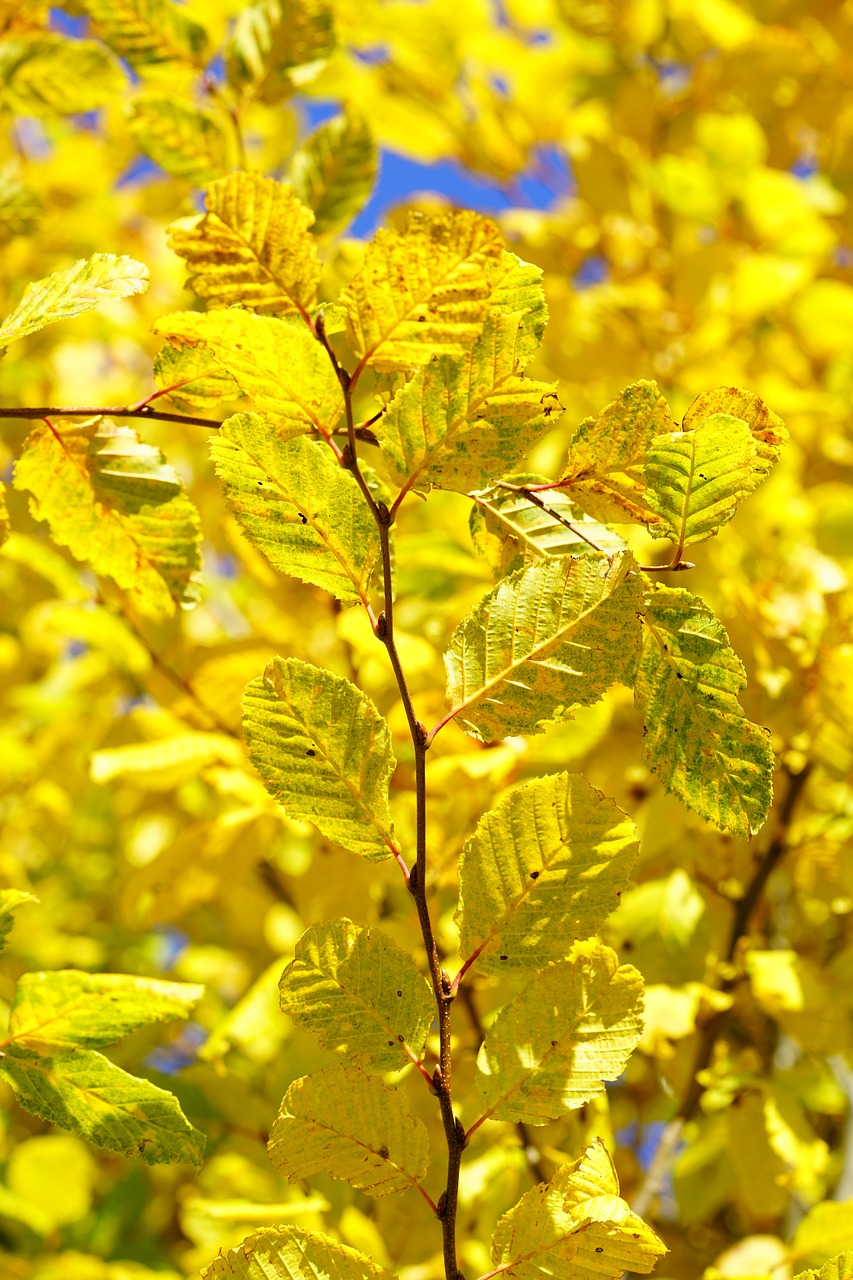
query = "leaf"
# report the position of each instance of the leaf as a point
(422, 293)
(543, 868)
(548, 638)
(353, 1127)
(5, 527)
(605, 469)
(81, 1090)
(768, 430)
(193, 378)
(278, 46)
(278, 364)
(839, 1268)
(21, 209)
(42, 74)
(56, 1011)
(697, 739)
(164, 764)
(73, 291)
(575, 1227)
(509, 531)
(148, 32)
(459, 422)
(252, 247)
(695, 479)
(324, 752)
(361, 995)
(182, 139)
(290, 1253)
(9, 900)
(298, 506)
(334, 170)
(550, 1050)
(116, 505)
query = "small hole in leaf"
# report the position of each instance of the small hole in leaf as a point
(503, 957)
(310, 752)
(534, 875)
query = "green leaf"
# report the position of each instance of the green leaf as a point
(460, 421)
(324, 752)
(9, 900)
(20, 208)
(252, 247)
(116, 505)
(509, 531)
(551, 1049)
(544, 868)
(517, 287)
(575, 1227)
(839, 1268)
(548, 638)
(289, 1253)
(768, 430)
(697, 739)
(823, 1232)
(422, 293)
(55, 1011)
(278, 46)
(148, 32)
(193, 378)
(183, 139)
(278, 364)
(353, 1127)
(42, 74)
(334, 170)
(361, 995)
(81, 1090)
(605, 470)
(305, 513)
(73, 291)
(695, 479)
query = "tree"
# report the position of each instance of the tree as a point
(374, 903)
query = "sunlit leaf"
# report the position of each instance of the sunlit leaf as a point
(73, 291)
(277, 46)
(333, 172)
(182, 139)
(251, 247)
(165, 763)
(545, 867)
(768, 430)
(550, 637)
(42, 74)
(298, 506)
(697, 739)
(351, 1126)
(290, 1253)
(324, 752)
(552, 1048)
(115, 504)
(5, 527)
(359, 993)
(824, 1217)
(147, 32)
(193, 377)
(9, 900)
(20, 207)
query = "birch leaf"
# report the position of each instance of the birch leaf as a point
(298, 506)
(9, 900)
(251, 247)
(116, 505)
(353, 1127)
(193, 378)
(768, 430)
(697, 739)
(43, 74)
(148, 32)
(838, 1268)
(324, 752)
(421, 293)
(289, 1253)
(575, 1227)
(361, 994)
(548, 638)
(73, 291)
(545, 867)
(279, 45)
(181, 138)
(552, 1048)
(333, 172)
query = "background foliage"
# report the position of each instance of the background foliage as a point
(694, 163)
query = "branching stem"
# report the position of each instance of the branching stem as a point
(106, 411)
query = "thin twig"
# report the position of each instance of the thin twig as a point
(107, 411)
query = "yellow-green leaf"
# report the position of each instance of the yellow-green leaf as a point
(9, 900)
(289, 1253)
(279, 45)
(20, 208)
(605, 470)
(548, 638)
(183, 139)
(768, 430)
(545, 867)
(695, 479)
(297, 505)
(277, 363)
(421, 293)
(116, 505)
(42, 74)
(552, 1048)
(575, 1227)
(361, 994)
(840, 1267)
(324, 752)
(333, 172)
(165, 763)
(193, 378)
(5, 527)
(351, 1126)
(251, 247)
(148, 32)
(697, 739)
(73, 291)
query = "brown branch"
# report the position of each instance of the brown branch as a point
(107, 411)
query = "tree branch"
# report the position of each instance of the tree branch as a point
(106, 411)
